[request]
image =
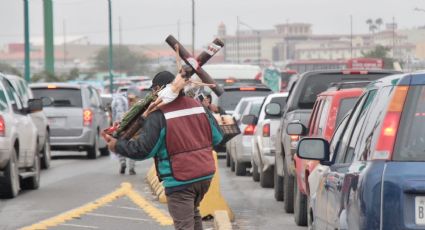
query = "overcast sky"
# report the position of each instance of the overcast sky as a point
(150, 21)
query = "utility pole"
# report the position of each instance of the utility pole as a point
(49, 49)
(237, 39)
(27, 42)
(64, 43)
(193, 27)
(111, 77)
(351, 35)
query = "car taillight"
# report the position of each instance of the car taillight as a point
(294, 140)
(387, 138)
(2, 127)
(355, 72)
(266, 130)
(249, 130)
(87, 117)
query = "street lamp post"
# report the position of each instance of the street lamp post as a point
(27, 41)
(111, 76)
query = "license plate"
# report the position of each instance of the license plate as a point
(56, 121)
(420, 210)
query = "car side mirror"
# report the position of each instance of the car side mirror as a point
(296, 129)
(273, 109)
(35, 105)
(248, 119)
(313, 149)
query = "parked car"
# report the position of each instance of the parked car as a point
(19, 158)
(239, 147)
(263, 148)
(76, 117)
(38, 117)
(374, 173)
(298, 109)
(330, 108)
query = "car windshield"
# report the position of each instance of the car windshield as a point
(61, 97)
(229, 99)
(321, 82)
(410, 145)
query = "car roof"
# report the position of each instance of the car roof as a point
(13, 77)
(57, 85)
(273, 95)
(256, 86)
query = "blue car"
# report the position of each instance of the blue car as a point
(372, 173)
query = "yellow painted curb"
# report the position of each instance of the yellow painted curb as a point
(221, 220)
(125, 190)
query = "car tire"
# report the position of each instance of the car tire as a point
(266, 178)
(278, 185)
(93, 151)
(300, 207)
(240, 169)
(255, 173)
(227, 159)
(232, 164)
(104, 151)
(46, 153)
(9, 183)
(288, 191)
(33, 182)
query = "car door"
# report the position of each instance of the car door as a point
(344, 157)
(24, 126)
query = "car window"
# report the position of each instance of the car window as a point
(3, 101)
(340, 151)
(345, 106)
(93, 97)
(229, 99)
(255, 108)
(410, 144)
(12, 94)
(359, 127)
(323, 116)
(61, 97)
(337, 135)
(313, 117)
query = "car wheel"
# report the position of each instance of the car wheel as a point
(232, 164)
(278, 185)
(240, 169)
(9, 183)
(266, 178)
(93, 151)
(46, 153)
(255, 174)
(288, 191)
(300, 207)
(227, 159)
(33, 182)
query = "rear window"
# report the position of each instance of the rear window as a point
(61, 97)
(314, 85)
(229, 99)
(410, 145)
(345, 105)
(255, 108)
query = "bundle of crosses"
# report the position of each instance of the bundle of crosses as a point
(133, 120)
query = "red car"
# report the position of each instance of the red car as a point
(329, 109)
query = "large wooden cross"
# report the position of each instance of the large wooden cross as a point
(196, 64)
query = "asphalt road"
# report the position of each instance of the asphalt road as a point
(73, 181)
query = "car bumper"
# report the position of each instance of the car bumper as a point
(5, 150)
(244, 150)
(85, 139)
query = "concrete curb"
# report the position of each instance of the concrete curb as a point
(222, 221)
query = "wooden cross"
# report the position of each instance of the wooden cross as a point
(195, 65)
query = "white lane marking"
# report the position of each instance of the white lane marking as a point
(79, 226)
(122, 207)
(116, 217)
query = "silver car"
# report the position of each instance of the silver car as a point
(19, 161)
(239, 148)
(76, 117)
(39, 119)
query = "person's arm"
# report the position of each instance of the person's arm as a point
(217, 133)
(148, 142)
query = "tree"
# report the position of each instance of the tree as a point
(8, 69)
(381, 52)
(378, 23)
(124, 60)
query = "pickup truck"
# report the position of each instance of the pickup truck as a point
(301, 99)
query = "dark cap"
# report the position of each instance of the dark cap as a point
(162, 79)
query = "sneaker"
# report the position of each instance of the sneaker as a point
(132, 172)
(122, 169)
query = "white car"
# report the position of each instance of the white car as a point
(39, 118)
(263, 150)
(19, 158)
(239, 148)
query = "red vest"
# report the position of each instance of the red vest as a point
(188, 139)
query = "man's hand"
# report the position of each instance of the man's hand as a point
(110, 141)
